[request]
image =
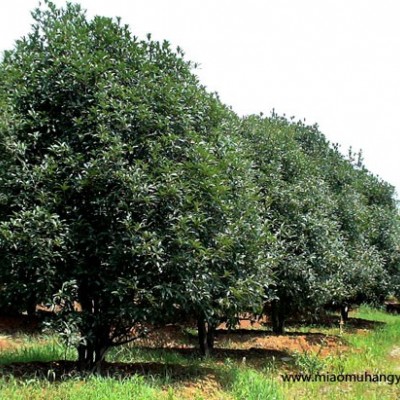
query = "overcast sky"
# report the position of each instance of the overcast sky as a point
(332, 62)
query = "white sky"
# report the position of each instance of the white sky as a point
(332, 62)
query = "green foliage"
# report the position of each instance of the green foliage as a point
(335, 224)
(126, 192)
(129, 190)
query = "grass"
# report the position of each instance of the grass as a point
(249, 384)
(180, 375)
(93, 388)
(132, 354)
(43, 349)
(369, 353)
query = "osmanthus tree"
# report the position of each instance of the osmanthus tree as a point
(122, 188)
(335, 224)
(298, 204)
(230, 257)
(368, 218)
(382, 230)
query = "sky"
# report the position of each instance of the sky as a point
(333, 62)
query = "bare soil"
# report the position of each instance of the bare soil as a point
(250, 343)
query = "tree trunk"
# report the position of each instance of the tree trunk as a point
(211, 336)
(31, 305)
(202, 334)
(91, 357)
(344, 312)
(277, 316)
(95, 332)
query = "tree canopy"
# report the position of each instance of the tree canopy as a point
(128, 189)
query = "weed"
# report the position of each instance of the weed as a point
(308, 362)
(249, 384)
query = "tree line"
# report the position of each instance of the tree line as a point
(128, 189)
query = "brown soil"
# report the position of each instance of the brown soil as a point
(253, 336)
(19, 324)
(6, 343)
(243, 340)
(250, 343)
(248, 334)
(170, 336)
(290, 343)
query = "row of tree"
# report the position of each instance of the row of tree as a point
(130, 190)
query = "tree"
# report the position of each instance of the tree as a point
(368, 220)
(298, 205)
(121, 189)
(335, 224)
(229, 265)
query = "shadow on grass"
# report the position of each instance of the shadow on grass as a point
(221, 354)
(61, 370)
(332, 321)
(353, 325)
(193, 366)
